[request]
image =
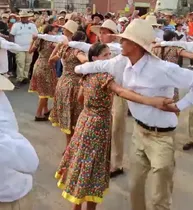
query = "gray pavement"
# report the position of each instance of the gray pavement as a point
(49, 143)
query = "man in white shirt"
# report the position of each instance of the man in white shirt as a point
(153, 136)
(21, 33)
(119, 104)
(18, 159)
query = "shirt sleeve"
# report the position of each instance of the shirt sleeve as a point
(52, 38)
(80, 45)
(180, 78)
(111, 66)
(4, 44)
(185, 45)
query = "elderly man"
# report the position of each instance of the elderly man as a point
(18, 159)
(154, 131)
(21, 33)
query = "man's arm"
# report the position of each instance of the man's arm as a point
(9, 45)
(114, 66)
(115, 48)
(53, 38)
(180, 78)
(186, 45)
(80, 45)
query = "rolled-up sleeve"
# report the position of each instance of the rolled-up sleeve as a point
(80, 45)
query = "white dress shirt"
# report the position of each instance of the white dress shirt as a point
(18, 159)
(151, 77)
(115, 47)
(188, 46)
(4, 46)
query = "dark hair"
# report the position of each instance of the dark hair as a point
(179, 24)
(169, 35)
(96, 50)
(79, 36)
(47, 29)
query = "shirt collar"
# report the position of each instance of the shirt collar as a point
(139, 65)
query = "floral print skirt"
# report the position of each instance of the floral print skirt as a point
(66, 109)
(44, 79)
(84, 171)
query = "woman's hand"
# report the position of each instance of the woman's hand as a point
(34, 37)
(165, 104)
(156, 45)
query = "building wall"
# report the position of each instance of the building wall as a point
(116, 5)
(78, 5)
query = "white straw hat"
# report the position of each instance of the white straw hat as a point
(108, 24)
(140, 32)
(5, 84)
(152, 20)
(71, 26)
(24, 13)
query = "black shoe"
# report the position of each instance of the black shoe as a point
(18, 84)
(47, 114)
(116, 173)
(25, 81)
(188, 146)
(41, 119)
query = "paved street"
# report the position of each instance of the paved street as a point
(49, 143)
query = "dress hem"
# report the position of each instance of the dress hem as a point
(64, 130)
(74, 199)
(33, 91)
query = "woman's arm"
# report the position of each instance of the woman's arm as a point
(81, 57)
(32, 48)
(186, 54)
(158, 102)
(54, 57)
(81, 95)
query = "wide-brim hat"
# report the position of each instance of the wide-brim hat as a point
(152, 20)
(71, 26)
(5, 83)
(24, 13)
(97, 15)
(5, 15)
(108, 24)
(140, 32)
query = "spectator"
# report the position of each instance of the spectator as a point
(21, 33)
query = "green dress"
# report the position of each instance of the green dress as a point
(84, 171)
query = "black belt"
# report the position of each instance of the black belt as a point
(155, 129)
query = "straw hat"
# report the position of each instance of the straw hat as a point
(5, 15)
(152, 20)
(108, 24)
(24, 13)
(140, 32)
(5, 84)
(71, 26)
(123, 19)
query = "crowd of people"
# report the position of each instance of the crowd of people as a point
(94, 67)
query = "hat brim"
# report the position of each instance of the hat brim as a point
(97, 15)
(157, 24)
(29, 15)
(147, 48)
(96, 30)
(5, 83)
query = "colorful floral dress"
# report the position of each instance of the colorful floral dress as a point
(44, 77)
(66, 108)
(170, 54)
(84, 171)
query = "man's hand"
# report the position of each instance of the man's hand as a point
(166, 104)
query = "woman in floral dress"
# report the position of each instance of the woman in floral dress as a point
(44, 79)
(84, 171)
(66, 109)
